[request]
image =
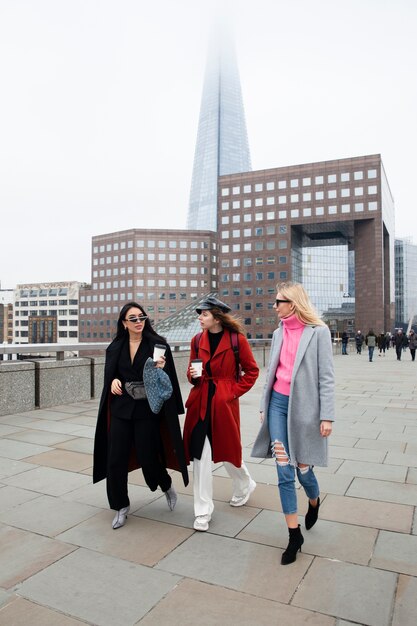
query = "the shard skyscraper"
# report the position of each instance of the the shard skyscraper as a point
(222, 142)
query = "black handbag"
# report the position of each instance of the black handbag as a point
(136, 390)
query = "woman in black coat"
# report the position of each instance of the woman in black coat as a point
(128, 435)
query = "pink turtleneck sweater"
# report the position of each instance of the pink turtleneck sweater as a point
(292, 331)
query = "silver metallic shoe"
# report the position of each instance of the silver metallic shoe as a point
(120, 518)
(171, 496)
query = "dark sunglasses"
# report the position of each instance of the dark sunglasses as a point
(278, 301)
(142, 318)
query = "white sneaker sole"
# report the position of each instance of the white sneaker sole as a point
(241, 502)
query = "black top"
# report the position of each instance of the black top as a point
(124, 406)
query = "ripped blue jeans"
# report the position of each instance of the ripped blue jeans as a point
(278, 432)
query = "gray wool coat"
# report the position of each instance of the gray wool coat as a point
(311, 397)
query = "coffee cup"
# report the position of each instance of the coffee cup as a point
(197, 364)
(158, 351)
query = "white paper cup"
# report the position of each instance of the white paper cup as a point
(197, 365)
(158, 351)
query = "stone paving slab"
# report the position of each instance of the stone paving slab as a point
(362, 512)
(20, 612)
(139, 541)
(383, 490)
(212, 605)
(63, 427)
(47, 480)
(368, 593)
(13, 496)
(22, 554)
(381, 471)
(6, 429)
(397, 458)
(396, 552)
(81, 444)
(99, 589)
(47, 516)
(238, 565)
(19, 450)
(63, 459)
(381, 444)
(9, 467)
(351, 544)
(405, 604)
(226, 520)
(41, 437)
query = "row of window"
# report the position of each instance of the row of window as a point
(297, 182)
(34, 293)
(62, 333)
(296, 197)
(151, 243)
(47, 303)
(151, 256)
(249, 276)
(45, 312)
(247, 262)
(150, 282)
(60, 323)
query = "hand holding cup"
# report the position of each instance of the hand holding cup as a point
(196, 368)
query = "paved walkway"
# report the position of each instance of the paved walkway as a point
(62, 564)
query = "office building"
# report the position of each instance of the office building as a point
(163, 270)
(6, 315)
(46, 313)
(405, 282)
(222, 143)
(273, 223)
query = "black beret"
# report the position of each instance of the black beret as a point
(210, 303)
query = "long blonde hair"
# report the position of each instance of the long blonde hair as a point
(303, 309)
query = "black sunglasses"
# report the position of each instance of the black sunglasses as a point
(278, 301)
(142, 318)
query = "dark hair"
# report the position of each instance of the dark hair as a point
(228, 321)
(148, 331)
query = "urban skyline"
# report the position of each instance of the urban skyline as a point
(96, 152)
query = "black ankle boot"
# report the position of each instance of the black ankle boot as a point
(294, 545)
(312, 514)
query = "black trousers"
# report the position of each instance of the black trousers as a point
(398, 350)
(144, 435)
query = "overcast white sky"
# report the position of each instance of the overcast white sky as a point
(100, 100)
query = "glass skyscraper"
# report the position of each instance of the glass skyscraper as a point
(222, 143)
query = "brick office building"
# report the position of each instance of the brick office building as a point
(270, 221)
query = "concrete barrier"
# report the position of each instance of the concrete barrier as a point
(62, 382)
(17, 387)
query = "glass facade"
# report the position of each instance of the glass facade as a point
(405, 281)
(222, 144)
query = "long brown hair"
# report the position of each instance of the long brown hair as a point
(228, 321)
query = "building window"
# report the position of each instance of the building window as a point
(235, 190)
(332, 210)
(345, 208)
(345, 177)
(372, 173)
(319, 180)
(294, 197)
(282, 199)
(358, 175)
(295, 213)
(247, 188)
(236, 204)
(359, 207)
(372, 206)
(259, 187)
(332, 193)
(306, 182)
(358, 191)
(294, 182)
(319, 195)
(331, 178)
(225, 206)
(372, 189)
(282, 215)
(307, 212)
(225, 191)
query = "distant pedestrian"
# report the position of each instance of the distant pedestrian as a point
(382, 343)
(400, 340)
(345, 340)
(371, 343)
(387, 340)
(412, 344)
(359, 339)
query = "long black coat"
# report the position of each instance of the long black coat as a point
(168, 417)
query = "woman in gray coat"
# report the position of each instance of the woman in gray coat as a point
(298, 401)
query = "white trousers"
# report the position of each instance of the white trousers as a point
(203, 481)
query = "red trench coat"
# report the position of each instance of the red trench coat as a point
(225, 415)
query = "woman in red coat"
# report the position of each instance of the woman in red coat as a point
(212, 423)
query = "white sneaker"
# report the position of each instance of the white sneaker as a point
(201, 522)
(120, 518)
(171, 496)
(241, 500)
